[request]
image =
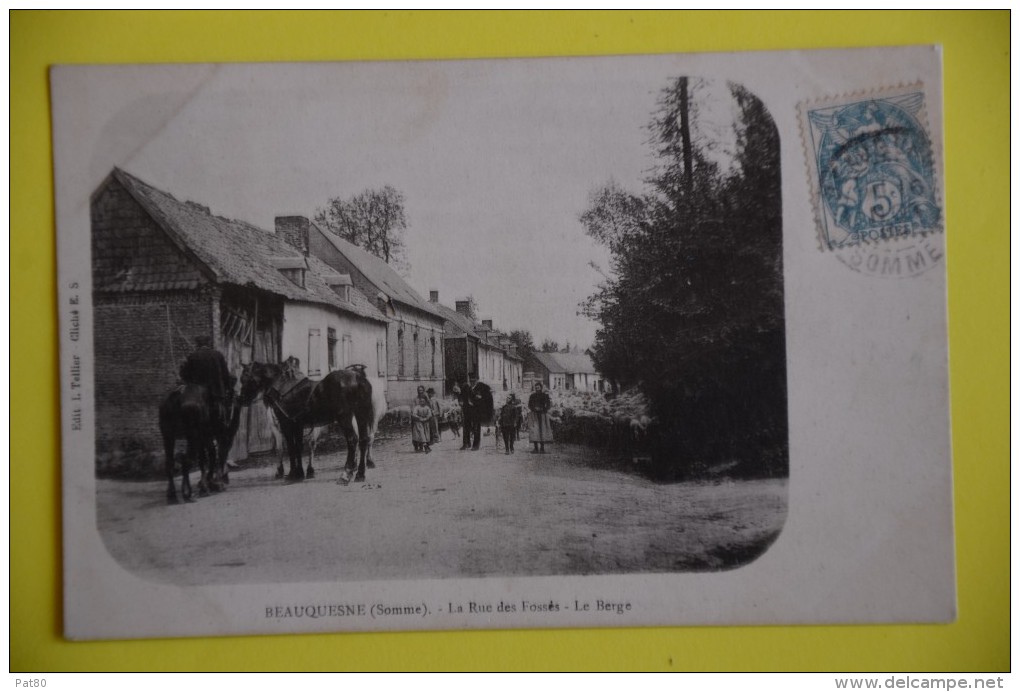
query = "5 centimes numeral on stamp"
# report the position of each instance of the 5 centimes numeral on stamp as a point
(874, 180)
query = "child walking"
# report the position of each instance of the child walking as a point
(421, 415)
(509, 421)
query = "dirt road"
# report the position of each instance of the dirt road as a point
(450, 513)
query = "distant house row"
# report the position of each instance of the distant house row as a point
(477, 351)
(566, 371)
(167, 271)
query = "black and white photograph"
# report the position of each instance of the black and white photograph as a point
(507, 343)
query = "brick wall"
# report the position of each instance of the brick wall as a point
(150, 303)
(295, 231)
(130, 252)
(137, 357)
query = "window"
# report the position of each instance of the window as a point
(347, 352)
(293, 268)
(331, 348)
(417, 359)
(295, 276)
(400, 352)
(433, 341)
(314, 354)
(380, 357)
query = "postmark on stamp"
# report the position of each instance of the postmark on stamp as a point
(874, 179)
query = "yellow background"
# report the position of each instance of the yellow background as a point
(976, 53)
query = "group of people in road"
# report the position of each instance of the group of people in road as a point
(477, 408)
(208, 367)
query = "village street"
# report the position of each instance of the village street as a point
(450, 513)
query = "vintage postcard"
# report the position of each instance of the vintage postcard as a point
(587, 342)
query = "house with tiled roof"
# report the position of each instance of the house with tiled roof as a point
(166, 271)
(501, 362)
(565, 371)
(475, 350)
(416, 332)
(461, 343)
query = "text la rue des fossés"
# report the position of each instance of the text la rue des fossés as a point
(550, 606)
(74, 334)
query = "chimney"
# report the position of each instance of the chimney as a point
(294, 230)
(487, 325)
(433, 296)
(464, 308)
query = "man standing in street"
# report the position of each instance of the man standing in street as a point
(467, 409)
(482, 410)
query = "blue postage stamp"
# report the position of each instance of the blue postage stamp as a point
(873, 170)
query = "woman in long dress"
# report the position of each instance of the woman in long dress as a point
(421, 415)
(539, 424)
(437, 412)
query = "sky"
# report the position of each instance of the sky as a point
(496, 159)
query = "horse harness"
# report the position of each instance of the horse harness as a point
(284, 386)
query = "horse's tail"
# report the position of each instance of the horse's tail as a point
(379, 405)
(169, 411)
(375, 406)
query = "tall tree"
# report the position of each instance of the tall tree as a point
(614, 215)
(373, 220)
(472, 307)
(524, 341)
(692, 311)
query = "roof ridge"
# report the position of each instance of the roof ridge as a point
(380, 273)
(234, 251)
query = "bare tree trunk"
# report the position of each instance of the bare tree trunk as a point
(685, 135)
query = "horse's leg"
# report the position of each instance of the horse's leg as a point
(189, 451)
(278, 439)
(295, 442)
(203, 465)
(351, 435)
(168, 447)
(369, 463)
(223, 451)
(283, 449)
(313, 439)
(363, 446)
(215, 470)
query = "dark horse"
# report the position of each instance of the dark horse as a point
(185, 415)
(343, 396)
